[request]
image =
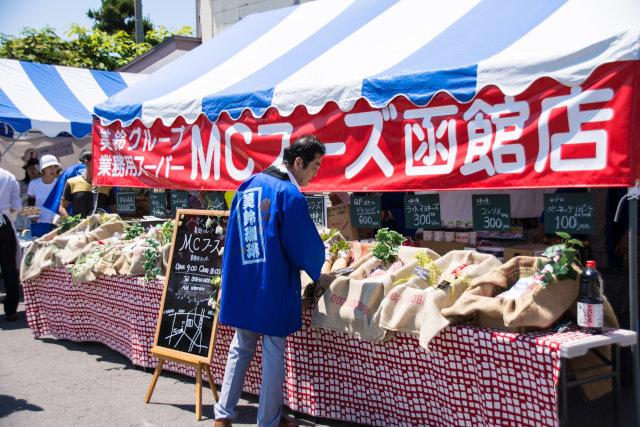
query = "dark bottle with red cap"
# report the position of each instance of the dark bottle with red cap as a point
(590, 302)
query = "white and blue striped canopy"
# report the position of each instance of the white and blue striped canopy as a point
(54, 99)
(345, 50)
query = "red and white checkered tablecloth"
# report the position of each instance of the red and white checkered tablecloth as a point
(473, 376)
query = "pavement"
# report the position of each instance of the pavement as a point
(51, 382)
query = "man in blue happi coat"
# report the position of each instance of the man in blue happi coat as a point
(270, 239)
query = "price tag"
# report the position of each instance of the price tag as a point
(422, 211)
(157, 204)
(317, 210)
(214, 201)
(421, 272)
(366, 212)
(491, 212)
(179, 200)
(126, 202)
(568, 212)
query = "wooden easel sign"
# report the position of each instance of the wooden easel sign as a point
(188, 320)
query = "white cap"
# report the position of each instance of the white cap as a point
(48, 160)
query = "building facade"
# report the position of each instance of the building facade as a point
(214, 16)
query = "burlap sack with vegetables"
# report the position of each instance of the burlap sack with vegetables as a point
(539, 308)
(312, 291)
(414, 306)
(351, 305)
(53, 249)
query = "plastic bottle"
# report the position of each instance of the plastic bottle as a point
(590, 302)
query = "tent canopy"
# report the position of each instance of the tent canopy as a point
(345, 50)
(55, 99)
(405, 94)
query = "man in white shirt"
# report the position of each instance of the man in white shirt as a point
(10, 202)
(40, 188)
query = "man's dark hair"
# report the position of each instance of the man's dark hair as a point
(85, 155)
(306, 147)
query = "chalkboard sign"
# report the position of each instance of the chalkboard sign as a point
(422, 211)
(366, 212)
(157, 204)
(317, 210)
(126, 202)
(214, 200)
(568, 212)
(491, 212)
(179, 200)
(187, 321)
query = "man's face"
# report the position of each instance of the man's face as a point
(304, 175)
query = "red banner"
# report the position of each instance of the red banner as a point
(548, 136)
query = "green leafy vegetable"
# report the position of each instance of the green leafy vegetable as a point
(559, 262)
(151, 255)
(68, 223)
(132, 231)
(387, 243)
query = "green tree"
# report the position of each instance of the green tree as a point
(90, 49)
(117, 15)
(37, 46)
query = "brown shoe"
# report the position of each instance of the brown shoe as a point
(286, 423)
(224, 422)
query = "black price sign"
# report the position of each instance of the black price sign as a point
(157, 204)
(179, 200)
(214, 201)
(491, 212)
(422, 211)
(126, 202)
(570, 212)
(317, 209)
(187, 314)
(366, 212)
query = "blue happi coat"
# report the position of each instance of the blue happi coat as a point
(270, 238)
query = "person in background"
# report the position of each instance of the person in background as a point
(392, 204)
(53, 201)
(39, 188)
(31, 172)
(270, 238)
(9, 203)
(78, 192)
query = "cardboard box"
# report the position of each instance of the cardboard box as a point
(441, 248)
(527, 249)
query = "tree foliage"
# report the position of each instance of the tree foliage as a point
(117, 15)
(95, 49)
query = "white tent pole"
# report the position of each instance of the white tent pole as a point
(633, 296)
(13, 141)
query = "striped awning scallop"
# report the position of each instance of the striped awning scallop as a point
(55, 99)
(344, 50)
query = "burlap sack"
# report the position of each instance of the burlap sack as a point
(538, 309)
(351, 305)
(55, 249)
(312, 291)
(72, 245)
(414, 307)
(83, 270)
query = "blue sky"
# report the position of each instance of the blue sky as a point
(60, 14)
